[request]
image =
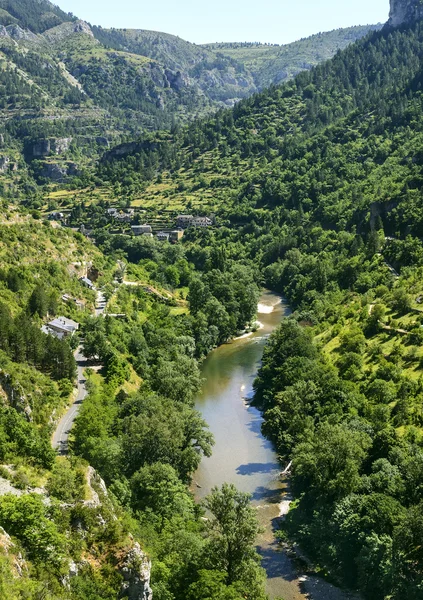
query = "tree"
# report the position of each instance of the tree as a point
(232, 531)
(401, 301)
(408, 556)
(328, 465)
(158, 488)
(38, 302)
(211, 586)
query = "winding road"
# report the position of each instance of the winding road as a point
(60, 439)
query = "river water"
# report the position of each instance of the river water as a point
(242, 455)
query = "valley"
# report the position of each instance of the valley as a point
(211, 332)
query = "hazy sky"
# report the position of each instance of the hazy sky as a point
(276, 21)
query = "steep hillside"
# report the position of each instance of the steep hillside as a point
(69, 90)
(318, 183)
(35, 15)
(404, 11)
(272, 64)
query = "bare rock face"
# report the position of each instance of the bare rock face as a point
(82, 27)
(60, 145)
(65, 30)
(4, 163)
(20, 566)
(13, 393)
(18, 34)
(41, 148)
(404, 11)
(45, 147)
(177, 80)
(59, 173)
(136, 570)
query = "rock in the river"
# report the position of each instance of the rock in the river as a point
(136, 571)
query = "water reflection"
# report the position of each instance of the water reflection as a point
(253, 468)
(242, 455)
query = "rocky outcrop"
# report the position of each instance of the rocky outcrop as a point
(128, 148)
(59, 172)
(60, 145)
(97, 489)
(4, 163)
(46, 147)
(19, 564)
(14, 394)
(404, 11)
(135, 569)
(18, 34)
(61, 32)
(177, 80)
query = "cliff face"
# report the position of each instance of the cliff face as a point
(403, 11)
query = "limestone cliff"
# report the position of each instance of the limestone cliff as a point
(403, 11)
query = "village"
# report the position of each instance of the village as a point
(128, 222)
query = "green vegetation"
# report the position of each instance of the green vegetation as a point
(317, 189)
(272, 64)
(318, 182)
(137, 427)
(69, 90)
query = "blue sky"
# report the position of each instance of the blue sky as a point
(275, 21)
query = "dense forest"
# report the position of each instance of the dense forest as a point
(63, 78)
(316, 190)
(318, 182)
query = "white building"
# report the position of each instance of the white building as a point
(60, 327)
(87, 282)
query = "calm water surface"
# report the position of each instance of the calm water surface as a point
(242, 455)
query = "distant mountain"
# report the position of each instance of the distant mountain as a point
(270, 64)
(63, 79)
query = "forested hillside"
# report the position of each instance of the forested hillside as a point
(314, 187)
(319, 182)
(70, 90)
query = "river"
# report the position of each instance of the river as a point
(242, 455)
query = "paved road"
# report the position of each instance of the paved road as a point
(60, 437)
